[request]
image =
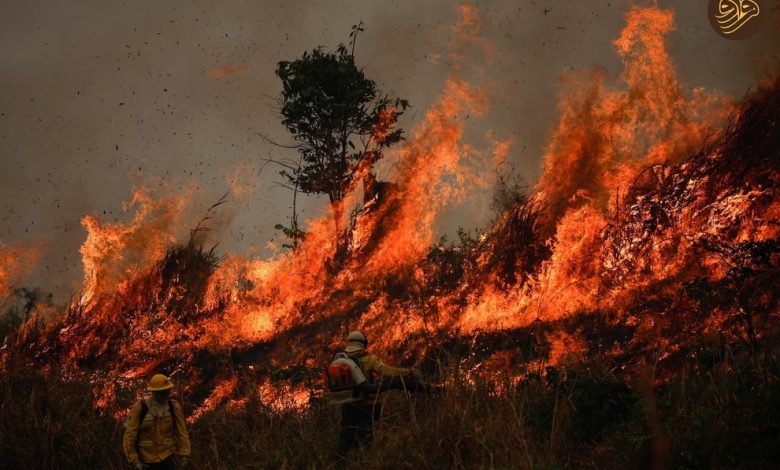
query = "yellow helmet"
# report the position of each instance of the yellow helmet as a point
(159, 382)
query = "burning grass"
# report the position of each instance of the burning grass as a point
(720, 411)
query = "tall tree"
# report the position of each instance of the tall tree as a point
(340, 121)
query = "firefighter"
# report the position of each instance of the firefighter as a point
(156, 430)
(357, 417)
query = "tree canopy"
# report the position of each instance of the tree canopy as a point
(339, 119)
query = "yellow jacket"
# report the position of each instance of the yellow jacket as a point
(372, 366)
(157, 436)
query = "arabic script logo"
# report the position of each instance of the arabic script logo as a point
(735, 19)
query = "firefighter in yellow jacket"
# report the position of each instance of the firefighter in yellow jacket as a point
(156, 430)
(357, 417)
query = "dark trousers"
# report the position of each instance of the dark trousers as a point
(357, 425)
(166, 464)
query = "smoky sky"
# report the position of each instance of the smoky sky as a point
(97, 95)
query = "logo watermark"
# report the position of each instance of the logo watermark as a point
(736, 19)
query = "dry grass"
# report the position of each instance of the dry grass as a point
(724, 415)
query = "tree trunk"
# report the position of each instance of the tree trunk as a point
(337, 211)
(369, 187)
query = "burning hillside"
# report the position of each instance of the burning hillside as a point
(655, 222)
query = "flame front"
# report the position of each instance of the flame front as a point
(623, 211)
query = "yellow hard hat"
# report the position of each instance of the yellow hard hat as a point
(159, 382)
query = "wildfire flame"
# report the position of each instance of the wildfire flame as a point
(621, 210)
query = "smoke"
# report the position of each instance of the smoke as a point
(605, 135)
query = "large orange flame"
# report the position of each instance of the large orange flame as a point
(595, 235)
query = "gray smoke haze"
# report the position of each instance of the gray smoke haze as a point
(96, 93)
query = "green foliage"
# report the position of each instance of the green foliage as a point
(23, 303)
(745, 258)
(447, 263)
(750, 284)
(297, 375)
(293, 233)
(337, 116)
(10, 321)
(185, 271)
(508, 192)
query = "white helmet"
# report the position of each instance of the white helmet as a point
(356, 341)
(356, 336)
